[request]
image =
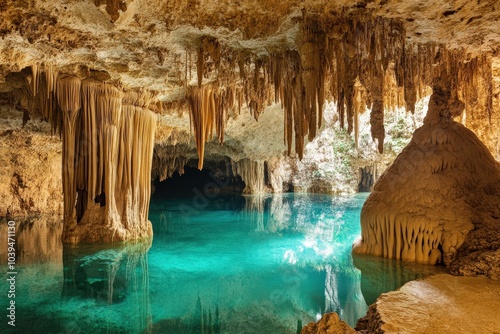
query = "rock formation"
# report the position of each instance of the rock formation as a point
(442, 189)
(329, 324)
(438, 304)
(25, 154)
(107, 147)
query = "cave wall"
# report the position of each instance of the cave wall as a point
(28, 152)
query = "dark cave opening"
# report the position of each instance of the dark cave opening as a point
(209, 182)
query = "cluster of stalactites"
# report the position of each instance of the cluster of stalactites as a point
(41, 85)
(252, 173)
(475, 89)
(167, 161)
(108, 140)
(210, 106)
(361, 63)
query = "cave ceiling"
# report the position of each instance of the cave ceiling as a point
(143, 43)
(378, 54)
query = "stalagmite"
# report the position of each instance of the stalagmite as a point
(425, 204)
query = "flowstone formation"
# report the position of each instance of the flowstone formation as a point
(443, 189)
(107, 148)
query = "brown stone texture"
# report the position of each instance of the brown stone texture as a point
(439, 304)
(328, 324)
(439, 201)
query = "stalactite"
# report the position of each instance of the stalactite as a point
(410, 94)
(167, 161)
(257, 86)
(136, 138)
(35, 78)
(312, 51)
(334, 60)
(359, 107)
(68, 96)
(109, 105)
(209, 107)
(252, 173)
(341, 70)
(90, 147)
(202, 117)
(377, 91)
(107, 153)
(42, 85)
(199, 65)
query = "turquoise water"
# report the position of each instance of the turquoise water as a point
(227, 265)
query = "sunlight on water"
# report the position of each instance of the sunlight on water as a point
(228, 265)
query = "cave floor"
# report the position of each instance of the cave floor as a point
(442, 304)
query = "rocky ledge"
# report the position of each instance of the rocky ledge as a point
(438, 304)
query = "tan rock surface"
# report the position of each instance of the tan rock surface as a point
(328, 324)
(30, 173)
(440, 304)
(443, 185)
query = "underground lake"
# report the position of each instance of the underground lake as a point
(228, 264)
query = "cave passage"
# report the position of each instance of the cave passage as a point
(194, 182)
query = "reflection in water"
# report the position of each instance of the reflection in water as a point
(203, 321)
(37, 240)
(343, 294)
(379, 275)
(79, 290)
(111, 276)
(252, 264)
(327, 233)
(278, 260)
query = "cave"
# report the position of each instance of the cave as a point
(250, 167)
(194, 181)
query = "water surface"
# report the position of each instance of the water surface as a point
(222, 265)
